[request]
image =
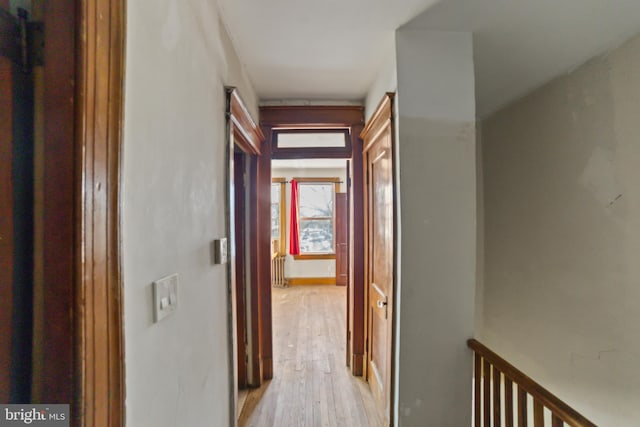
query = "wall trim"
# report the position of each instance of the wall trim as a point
(298, 281)
(99, 360)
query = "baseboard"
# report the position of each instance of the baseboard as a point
(357, 365)
(295, 281)
(267, 368)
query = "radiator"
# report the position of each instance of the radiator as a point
(277, 271)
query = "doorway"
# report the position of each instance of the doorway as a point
(380, 255)
(282, 127)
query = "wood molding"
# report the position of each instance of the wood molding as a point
(356, 284)
(297, 281)
(263, 276)
(311, 116)
(357, 363)
(243, 133)
(247, 134)
(314, 256)
(274, 118)
(54, 328)
(383, 113)
(99, 365)
(6, 226)
(321, 179)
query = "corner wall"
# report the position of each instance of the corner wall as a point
(437, 227)
(562, 236)
(179, 58)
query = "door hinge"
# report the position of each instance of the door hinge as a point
(35, 44)
(20, 40)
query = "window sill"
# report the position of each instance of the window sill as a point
(314, 256)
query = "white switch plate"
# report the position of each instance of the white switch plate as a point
(165, 297)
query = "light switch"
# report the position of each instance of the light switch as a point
(220, 251)
(165, 297)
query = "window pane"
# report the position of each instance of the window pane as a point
(275, 192)
(304, 140)
(275, 211)
(275, 221)
(316, 236)
(316, 200)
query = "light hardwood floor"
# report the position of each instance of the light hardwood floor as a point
(311, 384)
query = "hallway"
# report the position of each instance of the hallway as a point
(311, 385)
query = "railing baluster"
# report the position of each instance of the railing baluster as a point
(496, 397)
(561, 413)
(522, 407)
(508, 402)
(487, 392)
(538, 413)
(557, 421)
(476, 390)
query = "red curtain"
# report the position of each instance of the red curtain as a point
(294, 236)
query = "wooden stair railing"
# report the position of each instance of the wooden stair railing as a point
(490, 396)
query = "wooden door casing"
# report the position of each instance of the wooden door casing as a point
(380, 231)
(240, 266)
(342, 239)
(334, 117)
(16, 216)
(6, 226)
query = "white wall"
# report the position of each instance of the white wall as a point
(562, 236)
(307, 268)
(386, 81)
(438, 227)
(179, 59)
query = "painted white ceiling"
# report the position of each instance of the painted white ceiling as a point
(315, 49)
(332, 49)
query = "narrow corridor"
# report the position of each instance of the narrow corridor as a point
(311, 385)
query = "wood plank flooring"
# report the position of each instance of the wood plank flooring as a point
(311, 384)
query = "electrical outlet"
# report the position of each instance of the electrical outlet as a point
(165, 297)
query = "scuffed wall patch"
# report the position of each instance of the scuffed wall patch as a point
(599, 177)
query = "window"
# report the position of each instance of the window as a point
(312, 140)
(277, 215)
(316, 217)
(311, 143)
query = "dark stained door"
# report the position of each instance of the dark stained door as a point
(16, 215)
(379, 248)
(342, 239)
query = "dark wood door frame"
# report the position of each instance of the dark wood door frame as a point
(351, 119)
(243, 134)
(77, 345)
(238, 246)
(16, 215)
